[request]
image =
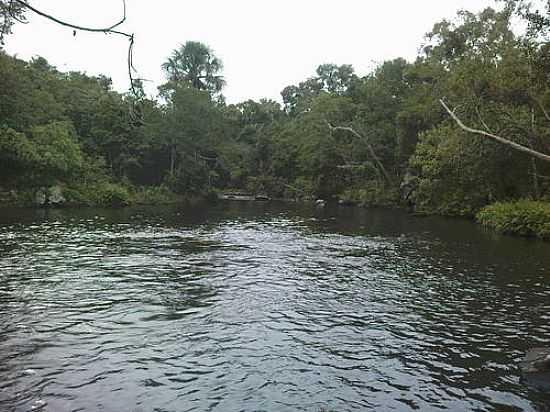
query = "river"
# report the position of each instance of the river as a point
(266, 307)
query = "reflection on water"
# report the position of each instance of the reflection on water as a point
(265, 307)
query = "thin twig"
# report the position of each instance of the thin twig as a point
(482, 121)
(14, 16)
(541, 107)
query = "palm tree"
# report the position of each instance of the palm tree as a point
(195, 64)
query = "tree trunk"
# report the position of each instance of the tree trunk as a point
(536, 187)
(172, 160)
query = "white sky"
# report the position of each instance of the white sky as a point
(265, 45)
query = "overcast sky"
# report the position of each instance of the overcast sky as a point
(265, 44)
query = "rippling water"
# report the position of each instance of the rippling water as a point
(265, 308)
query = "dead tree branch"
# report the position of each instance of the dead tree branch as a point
(109, 29)
(106, 30)
(495, 137)
(369, 146)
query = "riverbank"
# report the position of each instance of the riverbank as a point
(523, 218)
(92, 195)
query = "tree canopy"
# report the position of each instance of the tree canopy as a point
(382, 138)
(194, 64)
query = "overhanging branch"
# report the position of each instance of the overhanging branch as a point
(106, 30)
(76, 27)
(495, 137)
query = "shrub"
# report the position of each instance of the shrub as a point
(112, 195)
(154, 195)
(522, 217)
(372, 194)
(98, 194)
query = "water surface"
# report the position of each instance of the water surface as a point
(265, 307)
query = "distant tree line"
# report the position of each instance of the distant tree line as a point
(381, 139)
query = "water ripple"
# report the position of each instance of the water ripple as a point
(263, 310)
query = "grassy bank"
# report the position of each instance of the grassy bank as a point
(523, 218)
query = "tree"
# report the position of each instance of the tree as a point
(497, 138)
(538, 18)
(194, 64)
(336, 79)
(492, 80)
(47, 153)
(330, 79)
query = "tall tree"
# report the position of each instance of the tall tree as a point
(195, 64)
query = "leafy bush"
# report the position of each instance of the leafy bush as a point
(302, 187)
(458, 173)
(523, 218)
(112, 195)
(98, 194)
(154, 195)
(266, 184)
(372, 194)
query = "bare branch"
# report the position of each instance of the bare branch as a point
(350, 167)
(369, 146)
(107, 30)
(482, 121)
(541, 107)
(73, 26)
(499, 139)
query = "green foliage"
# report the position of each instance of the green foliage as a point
(338, 135)
(195, 65)
(190, 177)
(47, 153)
(372, 194)
(102, 194)
(331, 79)
(153, 195)
(17, 151)
(9, 12)
(459, 173)
(112, 195)
(302, 188)
(267, 184)
(522, 217)
(56, 149)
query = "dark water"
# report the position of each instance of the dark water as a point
(265, 308)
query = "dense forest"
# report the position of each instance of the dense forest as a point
(384, 139)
